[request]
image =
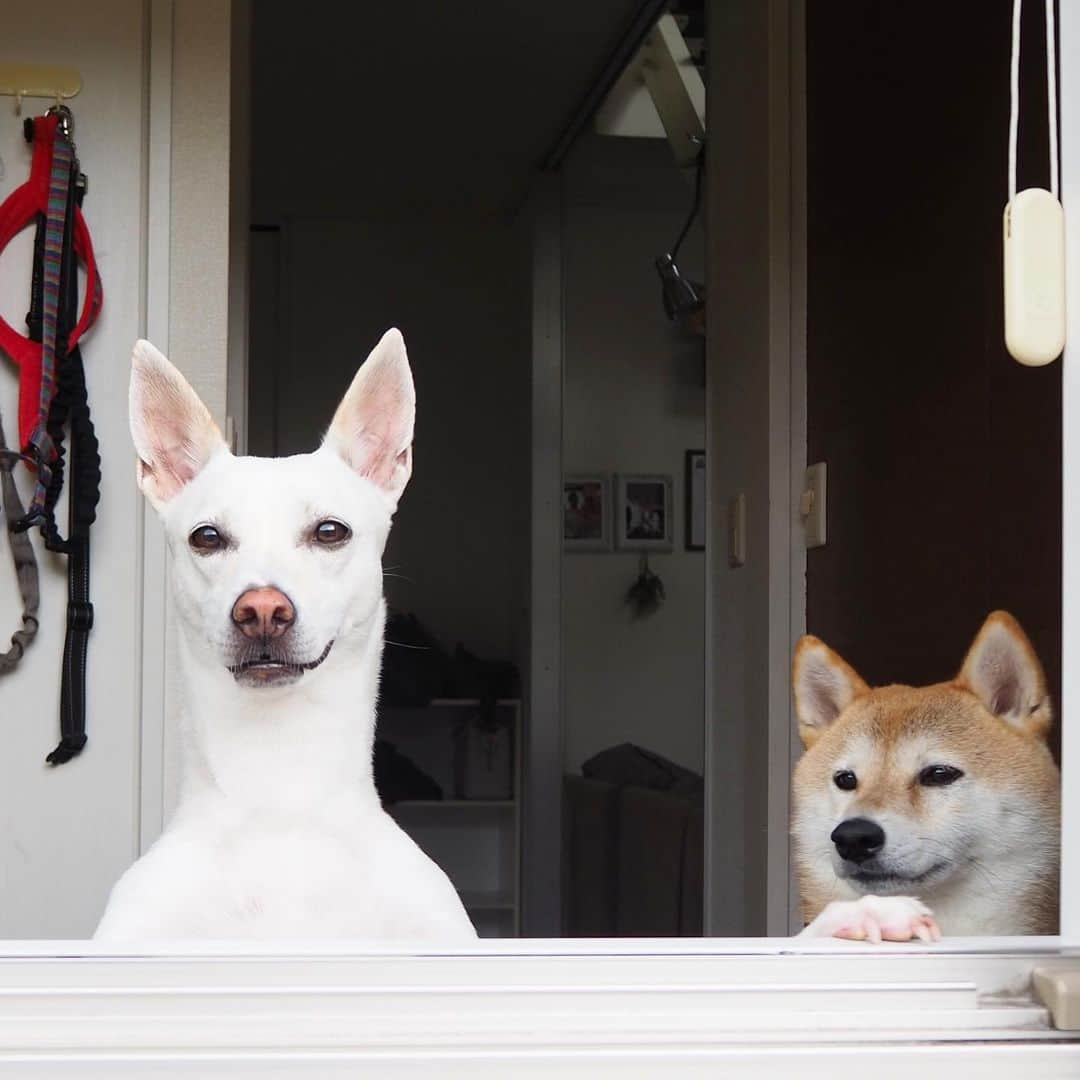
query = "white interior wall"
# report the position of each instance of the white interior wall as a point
(67, 833)
(634, 401)
(152, 132)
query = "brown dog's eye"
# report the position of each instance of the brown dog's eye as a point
(206, 539)
(940, 775)
(331, 532)
(845, 780)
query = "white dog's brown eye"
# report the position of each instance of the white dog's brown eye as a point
(845, 780)
(331, 532)
(206, 539)
(940, 775)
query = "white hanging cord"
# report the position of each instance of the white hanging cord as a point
(1051, 96)
(1014, 95)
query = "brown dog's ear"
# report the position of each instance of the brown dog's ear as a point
(1003, 672)
(825, 685)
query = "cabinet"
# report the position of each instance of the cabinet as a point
(474, 831)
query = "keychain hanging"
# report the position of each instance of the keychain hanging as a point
(1034, 231)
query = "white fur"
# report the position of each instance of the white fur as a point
(876, 919)
(279, 832)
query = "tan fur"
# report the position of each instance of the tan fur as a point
(1007, 765)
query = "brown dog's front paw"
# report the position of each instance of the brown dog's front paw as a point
(876, 919)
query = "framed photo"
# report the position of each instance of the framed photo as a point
(696, 500)
(644, 511)
(586, 509)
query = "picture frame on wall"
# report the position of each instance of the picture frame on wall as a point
(586, 510)
(644, 512)
(696, 499)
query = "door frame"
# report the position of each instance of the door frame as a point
(541, 885)
(778, 192)
(756, 446)
(154, 603)
(187, 191)
(1069, 133)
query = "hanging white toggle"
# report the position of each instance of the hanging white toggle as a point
(1034, 232)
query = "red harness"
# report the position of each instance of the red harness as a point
(52, 399)
(19, 211)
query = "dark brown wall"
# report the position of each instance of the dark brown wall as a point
(944, 455)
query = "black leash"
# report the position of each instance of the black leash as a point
(70, 408)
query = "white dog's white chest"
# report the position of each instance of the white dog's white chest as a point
(280, 873)
(224, 875)
(267, 878)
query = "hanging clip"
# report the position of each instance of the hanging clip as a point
(65, 123)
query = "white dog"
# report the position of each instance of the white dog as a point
(277, 580)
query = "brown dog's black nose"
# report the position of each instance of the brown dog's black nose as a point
(858, 839)
(263, 613)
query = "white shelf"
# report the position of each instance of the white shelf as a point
(477, 842)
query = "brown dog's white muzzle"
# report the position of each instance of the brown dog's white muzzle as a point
(263, 613)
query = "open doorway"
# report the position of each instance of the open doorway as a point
(414, 202)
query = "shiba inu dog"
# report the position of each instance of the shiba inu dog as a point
(277, 580)
(945, 793)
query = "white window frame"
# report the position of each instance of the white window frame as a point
(530, 1008)
(576, 1008)
(1069, 98)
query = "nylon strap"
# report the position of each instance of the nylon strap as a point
(22, 555)
(41, 444)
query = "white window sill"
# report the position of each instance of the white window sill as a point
(530, 1008)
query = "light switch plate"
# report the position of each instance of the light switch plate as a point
(815, 505)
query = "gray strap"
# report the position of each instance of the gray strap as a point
(22, 553)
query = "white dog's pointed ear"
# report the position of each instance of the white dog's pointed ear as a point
(825, 685)
(373, 426)
(173, 432)
(1003, 672)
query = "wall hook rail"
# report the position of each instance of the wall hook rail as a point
(38, 81)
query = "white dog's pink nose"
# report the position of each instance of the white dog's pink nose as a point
(263, 613)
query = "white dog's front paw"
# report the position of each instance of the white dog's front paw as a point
(876, 919)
